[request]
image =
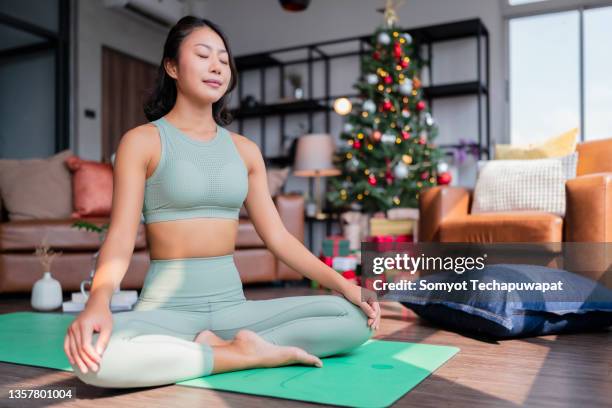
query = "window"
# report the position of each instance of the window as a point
(559, 79)
(597, 69)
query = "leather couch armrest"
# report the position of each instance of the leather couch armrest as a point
(588, 215)
(437, 204)
(290, 207)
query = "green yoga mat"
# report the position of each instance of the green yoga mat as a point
(375, 374)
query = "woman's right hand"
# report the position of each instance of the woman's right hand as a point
(77, 344)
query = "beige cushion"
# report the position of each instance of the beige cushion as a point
(276, 180)
(36, 188)
(524, 185)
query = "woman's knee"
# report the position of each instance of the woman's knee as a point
(113, 370)
(356, 319)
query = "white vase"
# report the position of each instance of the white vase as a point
(46, 293)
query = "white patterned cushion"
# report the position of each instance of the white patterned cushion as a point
(524, 185)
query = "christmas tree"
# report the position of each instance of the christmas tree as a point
(389, 155)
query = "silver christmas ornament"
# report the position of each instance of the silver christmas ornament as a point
(372, 79)
(405, 87)
(442, 167)
(383, 38)
(348, 127)
(407, 37)
(400, 171)
(352, 164)
(405, 113)
(429, 121)
(387, 138)
(369, 106)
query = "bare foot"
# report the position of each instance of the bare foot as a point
(271, 355)
(208, 336)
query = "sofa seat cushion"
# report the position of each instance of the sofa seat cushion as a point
(247, 235)
(516, 226)
(25, 235)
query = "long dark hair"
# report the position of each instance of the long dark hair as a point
(163, 95)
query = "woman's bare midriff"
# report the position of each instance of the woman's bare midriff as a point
(191, 238)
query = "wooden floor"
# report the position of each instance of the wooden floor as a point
(548, 371)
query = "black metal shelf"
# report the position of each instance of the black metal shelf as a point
(423, 38)
(299, 106)
(456, 89)
(319, 104)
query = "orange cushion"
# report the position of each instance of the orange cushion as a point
(92, 187)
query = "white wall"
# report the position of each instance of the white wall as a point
(96, 26)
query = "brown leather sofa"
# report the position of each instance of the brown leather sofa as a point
(19, 267)
(445, 211)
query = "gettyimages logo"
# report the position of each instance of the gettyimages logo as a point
(413, 264)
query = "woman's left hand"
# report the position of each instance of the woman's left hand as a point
(370, 307)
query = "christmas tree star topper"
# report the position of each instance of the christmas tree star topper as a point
(390, 11)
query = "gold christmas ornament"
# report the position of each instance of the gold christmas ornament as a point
(407, 159)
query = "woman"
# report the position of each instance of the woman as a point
(189, 176)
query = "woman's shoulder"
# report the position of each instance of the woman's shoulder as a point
(142, 140)
(248, 149)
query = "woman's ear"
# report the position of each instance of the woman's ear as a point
(170, 67)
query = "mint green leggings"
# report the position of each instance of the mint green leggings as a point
(153, 344)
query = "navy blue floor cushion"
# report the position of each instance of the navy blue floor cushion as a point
(578, 304)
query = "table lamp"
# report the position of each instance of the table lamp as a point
(313, 158)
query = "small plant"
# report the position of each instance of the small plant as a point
(295, 79)
(88, 226)
(45, 255)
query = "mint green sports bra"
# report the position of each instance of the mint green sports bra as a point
(195, 178)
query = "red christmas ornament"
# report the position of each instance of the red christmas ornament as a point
(376, 55)
(422, 140)
(376, 135)
(424, 175)
(405, 135)
(372, 180)
(444, 178)
(356, 144)
(388, 175)
(387, 105)
(397, 50)
(420, 105)
(404, 64)
(388, 80)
